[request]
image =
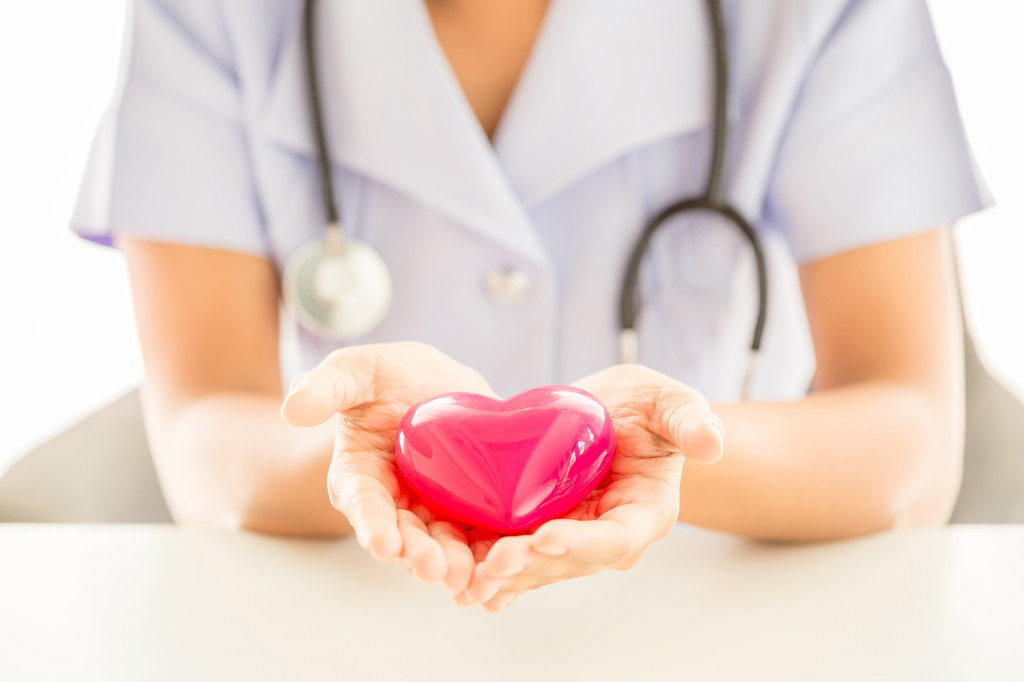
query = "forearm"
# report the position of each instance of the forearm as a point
(229, 460)
(840, 463)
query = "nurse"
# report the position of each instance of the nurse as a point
(503, 157)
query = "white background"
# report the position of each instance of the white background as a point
(67, 332)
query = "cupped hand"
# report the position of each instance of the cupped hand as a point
(659, 422)
(371, 388)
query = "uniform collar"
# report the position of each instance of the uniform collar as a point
(605, 77)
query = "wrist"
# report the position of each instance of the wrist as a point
(292, 499)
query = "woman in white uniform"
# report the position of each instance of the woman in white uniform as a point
(503, 158)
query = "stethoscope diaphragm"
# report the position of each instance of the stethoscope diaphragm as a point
(338, 290)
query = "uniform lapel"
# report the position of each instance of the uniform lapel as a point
(396, 113)
(605, 77)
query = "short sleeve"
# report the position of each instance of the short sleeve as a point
(875, 149)
(170, 161)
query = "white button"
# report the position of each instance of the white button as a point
(507, 286)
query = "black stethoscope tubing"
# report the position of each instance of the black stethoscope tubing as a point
(712, 200)
(317, 112)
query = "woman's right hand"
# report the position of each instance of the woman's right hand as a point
(371, 388)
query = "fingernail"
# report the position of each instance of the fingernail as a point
(489, 594)
(719, 427)
(510, 571)
(297, 385)
(551, 549)
(703, 441)
(384, 545)
(502, 601)
(461, 600)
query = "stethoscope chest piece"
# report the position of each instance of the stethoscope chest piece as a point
(338, 290)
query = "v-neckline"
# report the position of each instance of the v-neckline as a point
(440, 57)
(400, 118)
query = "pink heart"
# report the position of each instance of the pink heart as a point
(505, 465)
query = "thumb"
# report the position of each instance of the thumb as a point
(695, 430)
(345, 379)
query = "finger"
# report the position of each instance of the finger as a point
(674, 411)
(694, 429)
(482, 586)
(703, 441)
(345, 379)
(505, 563)
(601, 542)
(369, 507)
(618, 534)
(481, 541)
(508, 556)
(480, 544)
(541, 570)
(526, 581)
(458, 556)
(500, 601)
(424, 553)
(544, 570)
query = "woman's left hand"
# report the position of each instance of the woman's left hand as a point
(658, 423)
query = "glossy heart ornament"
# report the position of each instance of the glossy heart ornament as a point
(505, 465)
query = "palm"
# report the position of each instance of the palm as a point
(645, 470)
(656, 421)
(370, 388)
(368, 443)
(366, 433)
(640, 492)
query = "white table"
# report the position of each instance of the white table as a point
(160, 603)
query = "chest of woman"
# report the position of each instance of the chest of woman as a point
(487, 45)
(506, 194)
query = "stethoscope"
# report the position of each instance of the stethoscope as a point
(341, 288)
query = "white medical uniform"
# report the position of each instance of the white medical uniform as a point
(509, 257)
